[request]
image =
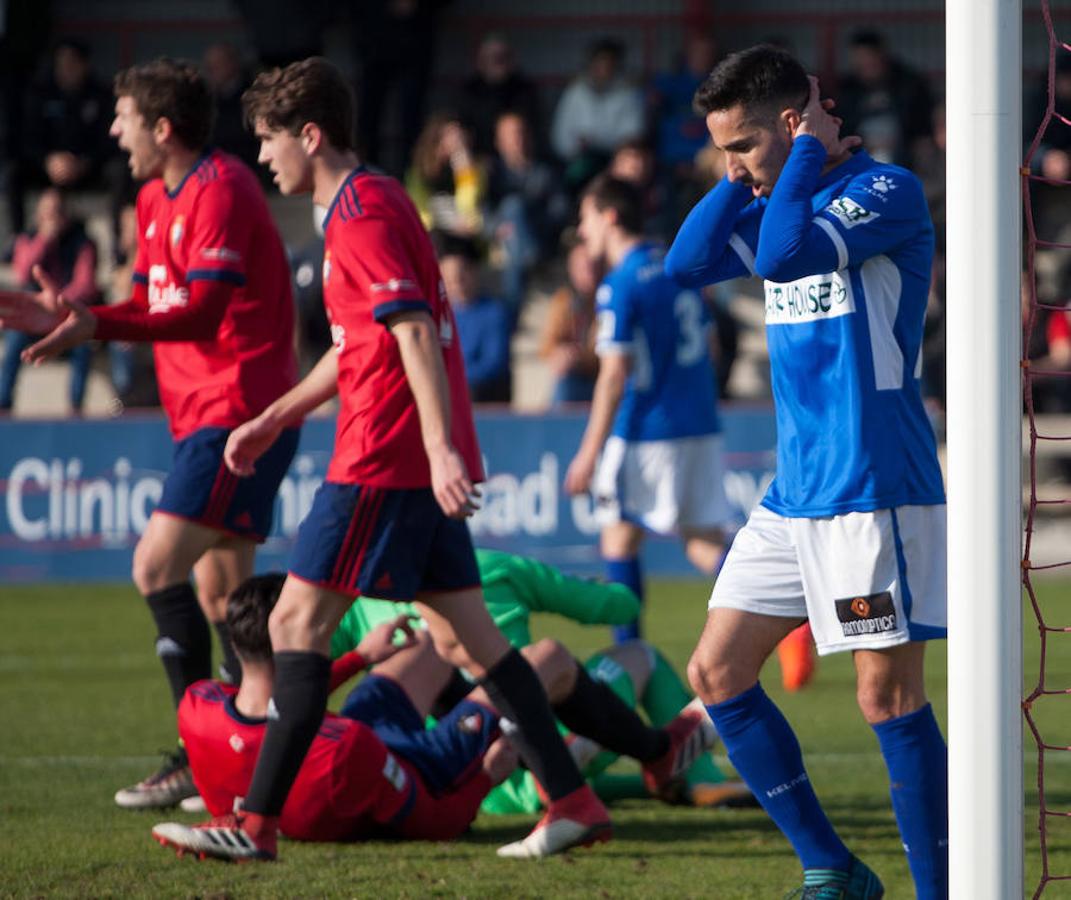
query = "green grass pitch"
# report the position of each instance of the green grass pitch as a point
(83, 708)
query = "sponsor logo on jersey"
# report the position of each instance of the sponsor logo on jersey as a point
(809, 299)
(223, 254)
(150, 232)
(164, 294)
(178, 228)
(338, 337)
(849, 213)
(394, 773)
(236, 742)
(872, 614)
(394, 285)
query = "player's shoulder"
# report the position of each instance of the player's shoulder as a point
(207, 692)
(220, 176)
(889, 185)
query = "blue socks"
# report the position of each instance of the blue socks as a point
(628, 572)
(764, 750)
(917, 759)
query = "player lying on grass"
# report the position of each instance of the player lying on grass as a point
(376, 770)
(636, 672)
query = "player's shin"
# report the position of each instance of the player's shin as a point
(183, 642)
(764, 750)
(295, 713)
(917, 759)
(519, 697)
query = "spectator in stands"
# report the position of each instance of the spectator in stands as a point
(526, 206)
(568, 342)
(65, 141)
(284, 31)
(679, 131)
(496, 86)
(1052, 160)
(445, 182)
(227, 78)
(394, 44)
(634, 162)
(59, 250)
(599, 111)
(483, 323)
(884, 101)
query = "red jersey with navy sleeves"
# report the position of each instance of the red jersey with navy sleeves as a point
(378, 262)
(215, 228)
(350, 786)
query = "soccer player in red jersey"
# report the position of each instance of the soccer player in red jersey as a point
(389, 520)
(212, 292)
(351, 786)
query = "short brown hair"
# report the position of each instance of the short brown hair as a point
(173, 90)
(623, 197)
(248, 609)
(311, 90)
(764, 79)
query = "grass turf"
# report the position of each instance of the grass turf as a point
(83, 705)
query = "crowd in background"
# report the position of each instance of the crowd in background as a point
(495, 173)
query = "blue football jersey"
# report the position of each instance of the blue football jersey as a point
(664, 328)
(847, 257)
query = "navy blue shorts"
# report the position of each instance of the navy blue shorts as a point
(380, 542)
(445, 755)
(202, 489)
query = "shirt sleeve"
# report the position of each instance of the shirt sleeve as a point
(139, 277)
(198, 320)
(613, 317)
(220, 233)
(546, 589)
(383, 268)
(718, 239)
(876, 211)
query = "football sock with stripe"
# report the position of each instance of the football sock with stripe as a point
(917, 759)
(298, 703)
(663, 698)
(231, 668)
(628, 572)
(183, 639)
(519, 697)
(764, 750)
(596, 712)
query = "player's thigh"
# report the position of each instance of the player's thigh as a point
(463, 630)
(890, 683)
(219, 571)
(873, 580)
(731, 651)
(420, 672)
(620, 540)
(168, 549)
(306, 616)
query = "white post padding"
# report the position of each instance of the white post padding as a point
(985, 666)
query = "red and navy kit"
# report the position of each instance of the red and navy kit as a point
(212, 292)
(349, 787)
(374, 526)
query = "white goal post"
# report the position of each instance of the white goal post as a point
(985, 665)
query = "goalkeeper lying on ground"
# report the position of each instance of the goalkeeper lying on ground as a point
(514, 587)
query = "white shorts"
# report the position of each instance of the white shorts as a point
(663, 485)
(866, 580)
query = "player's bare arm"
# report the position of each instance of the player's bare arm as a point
(609, 388)
(418, 343)
(251, 439)
(380, 643)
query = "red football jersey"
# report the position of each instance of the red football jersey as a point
(216, 225)
(378, 260)
(348, 784)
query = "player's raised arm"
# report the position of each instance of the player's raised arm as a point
(418, 344)
(707, 248)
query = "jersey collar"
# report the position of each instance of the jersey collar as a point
(858, 162)
(232, 711)
(171, 195)
(338, 194)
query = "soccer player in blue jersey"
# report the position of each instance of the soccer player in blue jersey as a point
(851, 533)
(654, 416)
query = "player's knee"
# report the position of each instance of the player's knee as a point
(453, 651)
(148, 570)
(713, 680)
(881, 699)
(292, 626)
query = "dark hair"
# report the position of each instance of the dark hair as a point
(310, 90)
(622, 197)
(174, 90)
(76, 45)
(868, 38)
(607, 46)
(248, 608)
(447, 244)
(763, 78)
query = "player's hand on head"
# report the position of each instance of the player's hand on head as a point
(818, 121)
(76, 328)
(381, 642)
(454, 491)
(33, 312)
(247, 443)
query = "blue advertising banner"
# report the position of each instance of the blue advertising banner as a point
(75, 495)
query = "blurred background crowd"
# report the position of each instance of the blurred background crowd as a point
(493, 155)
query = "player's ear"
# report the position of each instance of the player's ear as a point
(162, 131)
(311, 138)
(790, 119)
